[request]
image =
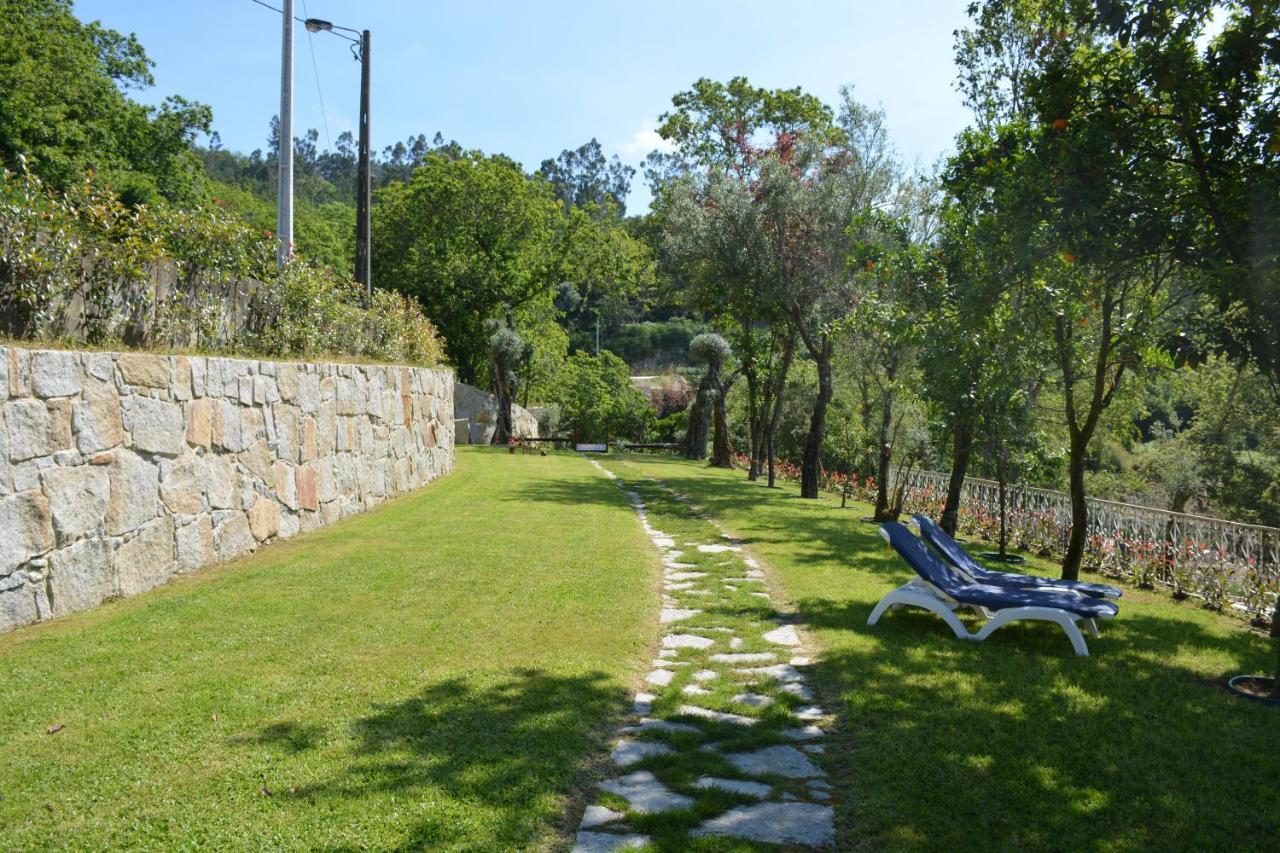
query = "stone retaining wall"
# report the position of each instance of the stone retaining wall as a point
(120, 470)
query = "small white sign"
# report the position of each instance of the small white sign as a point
(591, 448)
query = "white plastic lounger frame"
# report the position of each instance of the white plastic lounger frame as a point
(919, 593)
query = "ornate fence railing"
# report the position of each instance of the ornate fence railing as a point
(1225, 563)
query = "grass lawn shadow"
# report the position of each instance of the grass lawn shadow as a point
(1015, 741)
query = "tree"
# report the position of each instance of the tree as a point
(885, 335)
(597, 399)
(709, 405)
(980, 356)
(64, 107)
(1220, 106)
(724, 132)
(1214, 103)
(471, 238)
(1075, 185)
(510, 354)
(810, 195)
(585, 178)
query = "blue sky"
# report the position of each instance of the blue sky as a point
(530, 79)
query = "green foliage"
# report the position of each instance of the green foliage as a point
(710, 349)
(83, 265)
(649, 343)
(323, 234)
(585, 178)
(468, 238)
(63, 106)
(597, 399)
(718, 123)
(472, 237)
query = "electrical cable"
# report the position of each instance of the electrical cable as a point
(324, 114)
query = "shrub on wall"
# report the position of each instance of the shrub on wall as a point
(83, 266)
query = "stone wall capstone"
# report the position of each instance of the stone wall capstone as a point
(119, 471)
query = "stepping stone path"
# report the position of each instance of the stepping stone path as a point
(728, 725)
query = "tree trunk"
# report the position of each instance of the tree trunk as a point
(811, 470)
(779, 384)
(504, 429)
(1001, 475)
(1079, 513)
(755, 423)
(962, 444)
(721, 451)
(885, 459)
(1275, 641)
(695, 437)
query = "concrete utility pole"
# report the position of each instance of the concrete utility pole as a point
(284, 210)
(363, 275)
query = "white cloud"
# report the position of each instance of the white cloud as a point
(644, 140)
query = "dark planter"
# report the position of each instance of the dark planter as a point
(1236, 685)
(994, 556)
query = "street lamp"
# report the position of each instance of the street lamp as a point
(360, 47)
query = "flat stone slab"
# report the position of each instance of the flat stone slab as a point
(649, 724)
(596, 815)
(779, 672)
(717, 549)
(706, 675)
(784, 636)
(775, 761)
(806, 733)
(717, 716)
(753, 700)
(810, 713)
(629, 752)
(695, 690)
(799, 690)
(685, 576)
(744, 657)
(776, 823)
(687, 641)
(645, 794)
(678, 587)
(664, 542)
(643, 703)
(759, 790)
(603, 842)
(677, 614)
(676, 564)
(660, 677)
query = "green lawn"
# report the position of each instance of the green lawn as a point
(435, 674)
(1014, 743)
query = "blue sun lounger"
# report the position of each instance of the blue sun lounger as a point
(959, 558)
(940, 589)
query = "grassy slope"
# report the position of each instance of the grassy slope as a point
(1014, 743)
(432, 674)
